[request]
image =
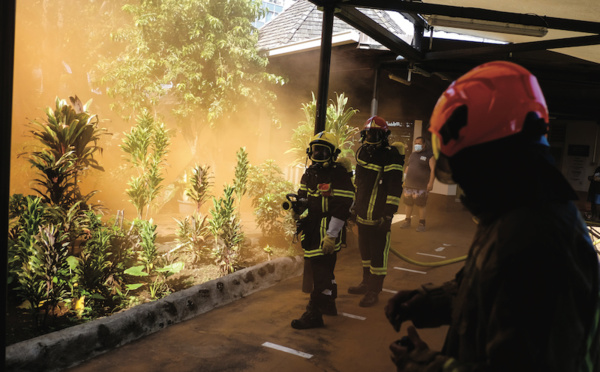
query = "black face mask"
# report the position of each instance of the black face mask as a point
(373, 136)
(320, 153)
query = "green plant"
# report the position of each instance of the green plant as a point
(192, 234)
(268, 187)
(336, 122)
(199, 185)
(69, 140)
(227, 231)
(200, 55)
(147, 146)
(269, 251)
(241, 173)
(44, 278)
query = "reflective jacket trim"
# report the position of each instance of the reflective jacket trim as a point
(343, 193)
(364, 221)
(451, 365)
(393, 200)
(392, 167)
(366, 263)
(322, 233)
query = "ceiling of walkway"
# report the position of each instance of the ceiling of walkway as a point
(566, 59)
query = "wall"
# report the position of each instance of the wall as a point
(580, 152)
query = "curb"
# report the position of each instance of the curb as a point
(71, 346)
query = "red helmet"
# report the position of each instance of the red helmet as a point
(375, 130)
(487, 103)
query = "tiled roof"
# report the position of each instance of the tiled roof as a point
(302, 21)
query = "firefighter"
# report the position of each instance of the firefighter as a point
(327, 187)
(378, 180)
(527, 298)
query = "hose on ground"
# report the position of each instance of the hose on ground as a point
(428, 264)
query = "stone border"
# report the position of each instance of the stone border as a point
(71, 346)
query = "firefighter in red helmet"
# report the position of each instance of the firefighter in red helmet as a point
(378, 181)
(328, 192)
(527, 298)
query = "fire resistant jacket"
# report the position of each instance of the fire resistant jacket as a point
(527, 298)
(378, 182)
(330, 193)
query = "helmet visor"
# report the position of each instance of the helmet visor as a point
(373, 136)
(320, 153)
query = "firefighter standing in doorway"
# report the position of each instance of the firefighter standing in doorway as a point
(378, 181)
(329, 193)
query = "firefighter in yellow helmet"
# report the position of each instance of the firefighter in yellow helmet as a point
(378, 180)
(527, 298)
(326, 186)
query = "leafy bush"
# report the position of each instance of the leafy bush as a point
(267, 187)
(227, 231)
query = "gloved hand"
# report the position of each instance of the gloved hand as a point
(416, 356)
(400, 307)
(328, 244)
(385, 223)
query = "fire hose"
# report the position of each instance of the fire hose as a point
(428, 264)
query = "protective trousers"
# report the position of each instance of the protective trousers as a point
(374, 246)
(325, 288)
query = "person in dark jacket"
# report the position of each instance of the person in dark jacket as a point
(594, 194)
(378, 181)
(327, 188)
(527, 298)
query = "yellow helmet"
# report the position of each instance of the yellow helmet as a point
(323, 148)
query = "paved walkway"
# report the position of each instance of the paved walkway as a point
(254, 333)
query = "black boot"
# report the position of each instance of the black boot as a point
(310, 319)
(370, 299)
(375, 285)
(363, 286)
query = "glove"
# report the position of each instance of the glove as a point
(412, 354)
(385, 223)
(398, 308)
(328, 244)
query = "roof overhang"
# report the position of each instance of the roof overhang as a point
(340, 38)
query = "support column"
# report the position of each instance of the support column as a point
(325, 64)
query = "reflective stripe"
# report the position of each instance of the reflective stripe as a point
(393, 200)
(343, 193)
(383, 270)
(393, 167)
(366, 263)
(451, 365)
(373, 198)
(364, 221)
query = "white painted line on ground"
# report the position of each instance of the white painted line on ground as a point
(354, 316)
(431, 255)
(287, 350)
(412, 271)
(388, 290)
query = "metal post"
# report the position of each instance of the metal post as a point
(325, 64)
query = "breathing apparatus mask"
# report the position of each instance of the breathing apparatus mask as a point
(322, 150)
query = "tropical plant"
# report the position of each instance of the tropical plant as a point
(336, 122)
(267, 187)
(195, 54)
(44, 278)
(192, 234)
(199, 185)
(69, 140)
(227, 231)
(241, 173)
(147, 146)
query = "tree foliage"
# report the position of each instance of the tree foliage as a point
(336, 122)
(193, 54)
